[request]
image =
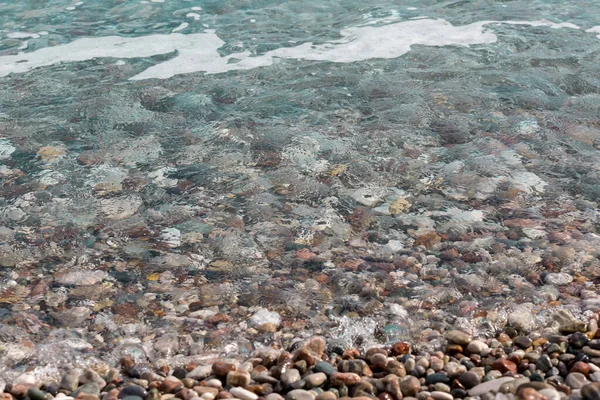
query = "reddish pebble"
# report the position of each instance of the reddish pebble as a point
(344, 378)
(503, 365)
(582, 367)
(221, 368)
(127, 362)
(400, 348)
(306, 355)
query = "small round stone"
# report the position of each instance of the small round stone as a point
(315, 379)
(243, 394)
(591, 391)
(522, 341)
(576, 380)
(432, 379)
(36, 394)
(410, 386)
(469, 379)
(299, 394)
(131, 390)
(477, 347)
(441, 395)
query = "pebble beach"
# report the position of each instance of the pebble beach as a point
(315, 200)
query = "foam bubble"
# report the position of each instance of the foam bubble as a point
(198, 52)
(595, 29)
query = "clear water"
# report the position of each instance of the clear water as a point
(375, 166)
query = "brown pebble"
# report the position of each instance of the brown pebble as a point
(454, 348)
(6, 396)
(400, 348)
(261, 390)
(344, 378)
(306, 355)
(87, 396)
(350, 354)
(503, 365)
(20, 390)
(238, 378)
(385, 396)
(582, 367)
(396, 367)
(221, 368)
(379, 361)
(503, 338)
(375, 350)
(260, 368)
(530, 394)
(316, 344)
(127, 362)
(327, 396)
(170, 386)
(267, 327)
(392, 386)
(191, 366)
(185, 394)
(224, 395)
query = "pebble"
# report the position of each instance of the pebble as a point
(243, 394)
(437, 395)
(410, 386)
(344, 378)
(200, 372)
(90, 388)
(543, 363)
(299, 394)
(290, 376)
(132, 390)
(458, 337)
(576, 380)
(477, 347)
(316, 379)
(36, 394)
(503, 365)
(432, 379)
(239, 378)
(70, 380)
(489, 386)
(591, 391)
(90, 376)
(470, 379)
(529, 394)
(522, 341)
(325, 368)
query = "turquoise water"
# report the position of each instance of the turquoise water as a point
(395, 163)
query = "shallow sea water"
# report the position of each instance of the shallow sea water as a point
(174, 175)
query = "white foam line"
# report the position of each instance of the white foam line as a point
(22, 35)
(199, 52)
